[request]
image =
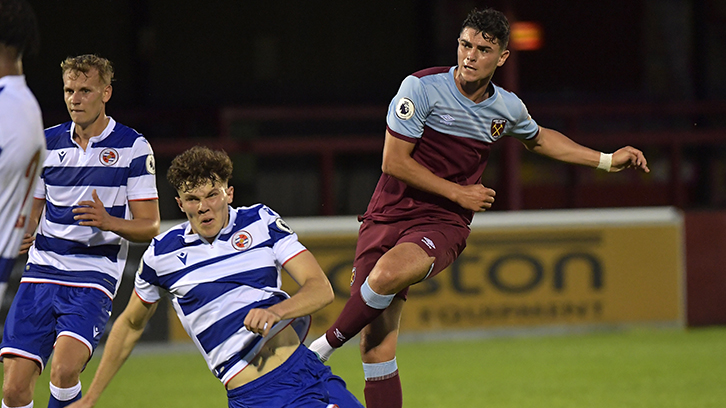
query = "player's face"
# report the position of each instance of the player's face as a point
(206, 208)
(478, 57)
(85, 96)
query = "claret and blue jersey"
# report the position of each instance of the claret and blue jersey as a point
(213, 285)
(453, 136)
(119, 165)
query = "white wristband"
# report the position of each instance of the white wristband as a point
(606, 160)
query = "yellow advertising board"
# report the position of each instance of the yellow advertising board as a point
(536, 268)
(527, 269)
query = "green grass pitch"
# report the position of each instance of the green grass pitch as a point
(660, 368)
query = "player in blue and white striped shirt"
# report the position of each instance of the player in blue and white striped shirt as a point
(97, 192)
(221, 270)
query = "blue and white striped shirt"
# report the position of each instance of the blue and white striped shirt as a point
(119, 165)
(213, 286)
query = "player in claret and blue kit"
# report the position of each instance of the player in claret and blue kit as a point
(440, 128)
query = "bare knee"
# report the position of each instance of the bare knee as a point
(16, 394)
(64, 375)
(383, 280)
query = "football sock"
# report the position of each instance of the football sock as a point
(26, 406)
(62, 397)
(321, 348)
(383, 385)
(359, 310)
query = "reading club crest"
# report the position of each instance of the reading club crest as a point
(405, 109)
(108, 156)
(241, 240)
(498, 127)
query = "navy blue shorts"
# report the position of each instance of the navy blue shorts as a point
(300, 382)
(42, 312)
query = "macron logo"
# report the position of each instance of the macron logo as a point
(429, 243)
(61, 155)
(96, 332)
(182, 257)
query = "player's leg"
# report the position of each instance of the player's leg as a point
(19, 377)
(27, 341)
(401, 266)
(82, 317)
(378, 344)
(69, 359)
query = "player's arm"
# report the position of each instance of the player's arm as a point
(554, 144)
(141, 228)
(34, 219)
(124, 335)
(397, 162)
(315, 293)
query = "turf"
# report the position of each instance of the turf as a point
(636, 368)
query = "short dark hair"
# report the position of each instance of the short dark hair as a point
(85, 63)
(18, 27)
(198, 166)
(492, 24)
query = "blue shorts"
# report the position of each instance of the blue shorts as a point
(300, 382)
(42, 312)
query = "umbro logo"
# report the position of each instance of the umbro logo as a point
(61, 155)
(182, 257)
(447, 120)
(429, 243)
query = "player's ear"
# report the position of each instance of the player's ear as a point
(107, 91)
(179, 203)
(230, 194)
(503, 58)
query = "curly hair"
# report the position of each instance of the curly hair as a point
(85, 63)
(19, 27)
(493, 25)
(198, 166)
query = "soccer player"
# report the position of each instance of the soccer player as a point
(440, 127)
(22, 145)
(97, 192)
(221, 270)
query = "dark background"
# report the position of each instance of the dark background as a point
(179, 63)
(194, 54)
(638, 71)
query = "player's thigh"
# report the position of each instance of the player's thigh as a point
(69, 359)
(30, 325)
(19, 376)
(442, 242)
(403, 265)
(379, 339)
(82, 315)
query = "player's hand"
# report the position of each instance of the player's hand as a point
(475, 197)
(629, 157)
(260, 321)
(81, 403)
(93, 214)
(27, 242)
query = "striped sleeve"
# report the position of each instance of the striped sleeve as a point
(142, 172)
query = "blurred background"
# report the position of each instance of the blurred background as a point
(297, 92)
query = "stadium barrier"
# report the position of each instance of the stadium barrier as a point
(528, 269)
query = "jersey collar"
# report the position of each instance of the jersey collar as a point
(95, 139)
